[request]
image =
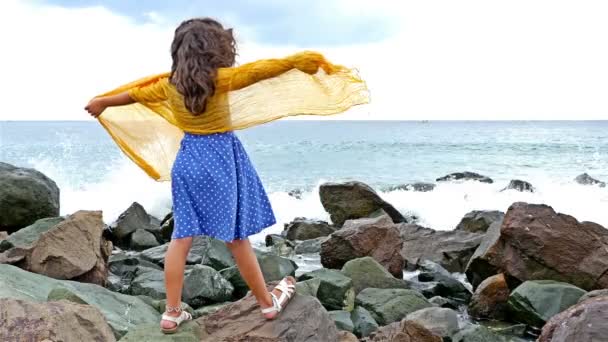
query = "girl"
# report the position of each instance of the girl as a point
(179, 126)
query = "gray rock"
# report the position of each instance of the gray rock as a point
(308, 287)
(203, 285)
(477, 333)
(403, 331)
(30, 234)
(342, 320)
(148, 282)
(26, 195)
(135, 217)
(391, 305)
(444, 303)
(419, 187)
(535, 302)
(280, 245)
(275, 267)
(440, 321)
(519, 185)
(205, 250)
(124, 265)
(593, 294)
(335, 290)
(465, 176)
(363, 322)
(209, 309)
(233, 275)
(310, 246)
(478, 221)
(187, 332)
(122, 312)
(446, 284)
(585, 179)
(353, 200)
(366, 273)
(142, 239)
(305, 229)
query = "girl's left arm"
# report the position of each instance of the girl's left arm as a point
(97, 105)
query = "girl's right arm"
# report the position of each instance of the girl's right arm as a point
(97, 105)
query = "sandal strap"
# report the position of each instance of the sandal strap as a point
(184, 316)
(275, 305)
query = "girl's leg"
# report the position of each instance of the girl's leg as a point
(252, 274)
(175, 264)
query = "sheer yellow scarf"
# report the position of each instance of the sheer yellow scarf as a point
(150, 130)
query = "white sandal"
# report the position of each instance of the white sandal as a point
(278, 304)
(184, 316)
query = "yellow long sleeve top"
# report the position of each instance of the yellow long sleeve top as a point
(150, 130)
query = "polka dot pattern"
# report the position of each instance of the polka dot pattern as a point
(216, 190)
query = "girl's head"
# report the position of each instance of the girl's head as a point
(199, 48)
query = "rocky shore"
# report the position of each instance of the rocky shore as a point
(523, 275)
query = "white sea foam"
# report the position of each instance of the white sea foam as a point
(440, 209)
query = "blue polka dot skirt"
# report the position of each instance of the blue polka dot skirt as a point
(216, 190)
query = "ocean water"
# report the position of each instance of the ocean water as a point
(93, 174)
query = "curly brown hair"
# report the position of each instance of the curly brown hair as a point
(200, 46)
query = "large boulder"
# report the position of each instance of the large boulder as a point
(519, 185)
(127, 223)
(585, 179)
(534, 242)
(303, 319)
(440, 321)
(375, 237)
(465, 176)
(72, 249)
(142, 239)
(353, 200)
(363, 322)
(310, 246)
(26, 195)
(58, 321)
(148, 282)
(122, 312)
(203, 286)
(585, 321)
(490, 298)
(478, 221)
(30, 234)
(450, 249)
(443, 282)
(391, 305)
(342, 320)
(366, 272)
(305, 229)
(335, 290)
(403, 331)
(536, 301)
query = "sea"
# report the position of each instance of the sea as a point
(93, 174)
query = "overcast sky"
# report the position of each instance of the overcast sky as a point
(432, 59)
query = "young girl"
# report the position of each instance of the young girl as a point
(179, 126)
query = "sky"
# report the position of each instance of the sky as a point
(422, 60)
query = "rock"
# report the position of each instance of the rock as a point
(142, 239)
(465, 176)
(209, 309)
(280, 246)
(535, 242)
(335, 290)
(205, 250)
(419, 187)
(61, 293)
(233, 275)
(26, 195)
(477, 333)
(122, 312)
(295, 193)
(308, 287)
(585, 179)
(275, 267)
(166, 227)
(132, 219)
(149, 282)
(124, 265)
(345, 336)
(203, 285)
(519, 185)
(593, 294)
(363, 322)
(3, 236)
(304, 319)
(490, 298)
(30, 234)
(450, 249)
(72, 249)
(187, 332)
(441, 302)
(354, 200)
(391, 305)
(535, 302)
(585, 321)
(58, 321)
(512, 331)
(376, 237)
(304, 229)
(310, 246)
(446, 284)
(403, 331)
(478, 221)
(342, 320)
(366, 272)
(442, 322)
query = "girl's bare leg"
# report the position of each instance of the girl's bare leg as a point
(252, 274)
(175, 264)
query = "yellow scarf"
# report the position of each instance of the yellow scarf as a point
(150, 130)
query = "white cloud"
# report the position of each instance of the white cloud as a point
(450, 60)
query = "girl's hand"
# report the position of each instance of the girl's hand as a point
(95, 107)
